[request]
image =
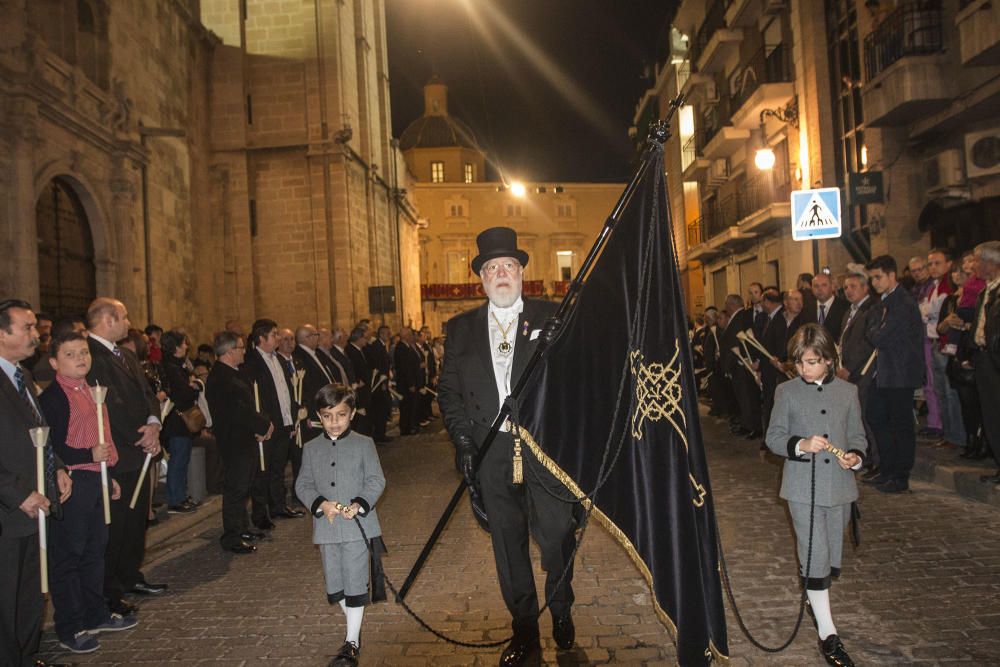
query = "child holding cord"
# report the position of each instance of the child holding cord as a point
(816, 424)
(340, 479)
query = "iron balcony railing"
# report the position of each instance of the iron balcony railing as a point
(912, 29)
(769, 65)
(755, 193)
(715, 18)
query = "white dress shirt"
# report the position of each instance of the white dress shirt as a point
(278, 375)
(503, 364)
(312, 353)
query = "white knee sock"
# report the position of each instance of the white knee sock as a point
(820, 603)
(354, 617)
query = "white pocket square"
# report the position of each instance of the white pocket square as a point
(534, 334)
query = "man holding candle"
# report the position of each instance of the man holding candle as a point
(135, 429)
(21, 600)
(79, 540)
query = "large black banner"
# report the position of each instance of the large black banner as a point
(613, 407)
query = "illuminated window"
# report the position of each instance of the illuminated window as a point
(564, 264)
(470, 173)
(456, 210)
(457, 266)
(437, 172)
(565, 209)
(513, 211)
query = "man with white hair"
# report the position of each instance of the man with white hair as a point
(986, 338)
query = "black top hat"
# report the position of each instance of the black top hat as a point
(497, 242)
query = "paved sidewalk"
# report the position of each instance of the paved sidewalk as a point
(923, 589)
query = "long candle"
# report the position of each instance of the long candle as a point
(100, 393)
(260, 443)
(39, 436)
(142, 478)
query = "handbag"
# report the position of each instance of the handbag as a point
(194, 419)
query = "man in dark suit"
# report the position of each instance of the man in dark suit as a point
(21, 601)
(261, 366)
(409, 379)
(775, 340)
(756, 295)
(338, 351)
(238, 427)
(856, 349)
(135, 428)
(745, 388)
(317, 375)
(426, 411)
(362, 383)
(896, 330)
(486, 351)
(986, 339)
(332, 357)
(830, 309)
(378, 360)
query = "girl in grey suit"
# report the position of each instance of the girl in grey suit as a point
(813, 416)
(340, 479)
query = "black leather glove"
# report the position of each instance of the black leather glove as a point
(551, 329)
(465, 457)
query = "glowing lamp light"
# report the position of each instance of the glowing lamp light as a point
(764, 159)
(517, 189)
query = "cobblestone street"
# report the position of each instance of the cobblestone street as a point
(924, 588)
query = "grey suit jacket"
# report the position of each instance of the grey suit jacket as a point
(802, 410)
(346, 470)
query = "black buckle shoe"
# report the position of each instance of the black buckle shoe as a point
(833, 650)
(563, 631)
(521, 652)
(146, 588)
(347, 656)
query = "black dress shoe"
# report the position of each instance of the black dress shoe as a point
(893, 486)
(122, 608)
(288, 513)
(242, 548)
(833, 650)
(249, 537)
(521, 652)
(254, 534)
(266, 524)
(874, 479)
(145, 588)
(563, 631)
(347, 656)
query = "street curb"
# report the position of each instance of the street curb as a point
(943, 468)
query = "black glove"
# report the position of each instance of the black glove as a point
(551, 329)
(465, 457)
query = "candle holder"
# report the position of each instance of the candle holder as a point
(100, 394)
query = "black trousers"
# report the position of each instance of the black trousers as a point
(268, 490)
(240, 462)
(988, 386)
(890, 413)
(126, 537)
(748, 399)
(76, 558)
(21, 600)
(380, 411)
(538, 506)
(408, 412)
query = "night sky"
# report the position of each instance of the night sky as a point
(548, 86)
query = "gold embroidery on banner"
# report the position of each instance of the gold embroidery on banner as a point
(616, 533)
(658, 393)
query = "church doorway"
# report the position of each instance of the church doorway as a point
(67, 275)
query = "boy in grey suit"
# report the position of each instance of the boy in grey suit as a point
(815, 419)
(340, 479)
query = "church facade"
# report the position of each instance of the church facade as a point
(204, 161)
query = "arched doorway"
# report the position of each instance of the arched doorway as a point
(66, 271)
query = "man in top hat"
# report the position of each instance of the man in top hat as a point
(486, 351)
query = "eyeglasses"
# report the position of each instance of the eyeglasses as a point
(493, 267)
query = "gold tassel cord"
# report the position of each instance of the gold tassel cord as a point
(517, 464)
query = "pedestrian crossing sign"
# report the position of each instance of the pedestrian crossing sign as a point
(816, 214)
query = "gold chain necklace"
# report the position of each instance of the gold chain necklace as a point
(504, 347)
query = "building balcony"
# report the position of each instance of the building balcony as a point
(715, 42)
(693, 163)
(725, 141)
(907, 69)
(978, 24)
(764, 202)
(766, 83)
(458, 291)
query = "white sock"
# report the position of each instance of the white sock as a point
(820, 603)
(354, 617)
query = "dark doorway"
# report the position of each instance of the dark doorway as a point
(66, 272)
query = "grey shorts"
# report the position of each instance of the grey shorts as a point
(345, 569)
(827, 541)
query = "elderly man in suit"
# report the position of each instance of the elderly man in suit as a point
(363, 380)
(896, 330)
(830, 309)
(135, 428)
(986, 339)
(775, 340)
(745, 387)
(317, 375)
(21, 601)
(407, 361)
(378, 358)
(486, 351)
(856, 350)
(238, 426)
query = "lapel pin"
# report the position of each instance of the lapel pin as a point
(524, 330)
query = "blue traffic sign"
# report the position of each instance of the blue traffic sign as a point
(816, 214)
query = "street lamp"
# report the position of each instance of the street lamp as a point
(764, 158)
(517, 189)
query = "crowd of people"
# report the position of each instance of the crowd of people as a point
(923, 339)
(163, 397)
